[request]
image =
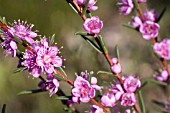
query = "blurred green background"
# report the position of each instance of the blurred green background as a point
(57, 17)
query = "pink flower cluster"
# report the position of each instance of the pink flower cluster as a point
(125, 94)
(82, 90)
(19, 30)
(163, 49)
(162, 76)
(42, 58)
(90, 6)
(149, 28)
(126, 6)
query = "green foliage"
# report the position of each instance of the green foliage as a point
(141, 103)
(62, 97)
(25, 92)
(20, 69)
(116, 52)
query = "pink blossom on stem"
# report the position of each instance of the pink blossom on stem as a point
(116, 67)
(162, 77)
(150, 15)
(163, 49)
(128, 99)
(117, 91)
(23, 31)
(131, 84)
(91, 4)
(149, 30)
(136, 22)
(108, 99)
(43, 58)
(125, 6)
(93, 25)
(82, 90)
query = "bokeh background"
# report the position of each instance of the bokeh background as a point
(56, 17)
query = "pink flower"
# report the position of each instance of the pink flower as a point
(128, 99)
(91, 4)
(163, 49)
(108, 99)
(149, 30)
(162, 77)
(150, 15)
(117, 90)
(43, 58)
(131, 84)
(23, 31)
(82, 90)
(126, 6)
(116, 68)
(95, 109)
(137, 22)
(93, 25)
(51, 84)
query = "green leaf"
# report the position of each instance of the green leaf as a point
(84, 34)
(59, 77)
(143, 85)
(161, 15)
(25, 92)
(161, 104)
(52, 39)
(86, 6)
(141, 103)
(129, 26)
(20, 69)
(3, 20)
(157, 82)
(17, 40)
(3, 108)
(103, 44)
(104, 72)
(62, 98)
(62, 70)
(136, 4)
(92, 44)
(116, 52)
(89, 15)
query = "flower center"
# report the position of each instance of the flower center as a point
(47, 59)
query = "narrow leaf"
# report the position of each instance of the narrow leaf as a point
(20, 69)
(62, 70)
(3, 108)
(136, 4)
(161, 15)
(104, 72)
(143, 85)
(25, 92)
(157, 82)
(129, 26)
(58, 77)
(84, 34)
(116, 52)
(62, 98)
(52, 39)
(92, 44)
(103, 44)
(161, 104)
(89, 15)
(141, 103)
(86, 6)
